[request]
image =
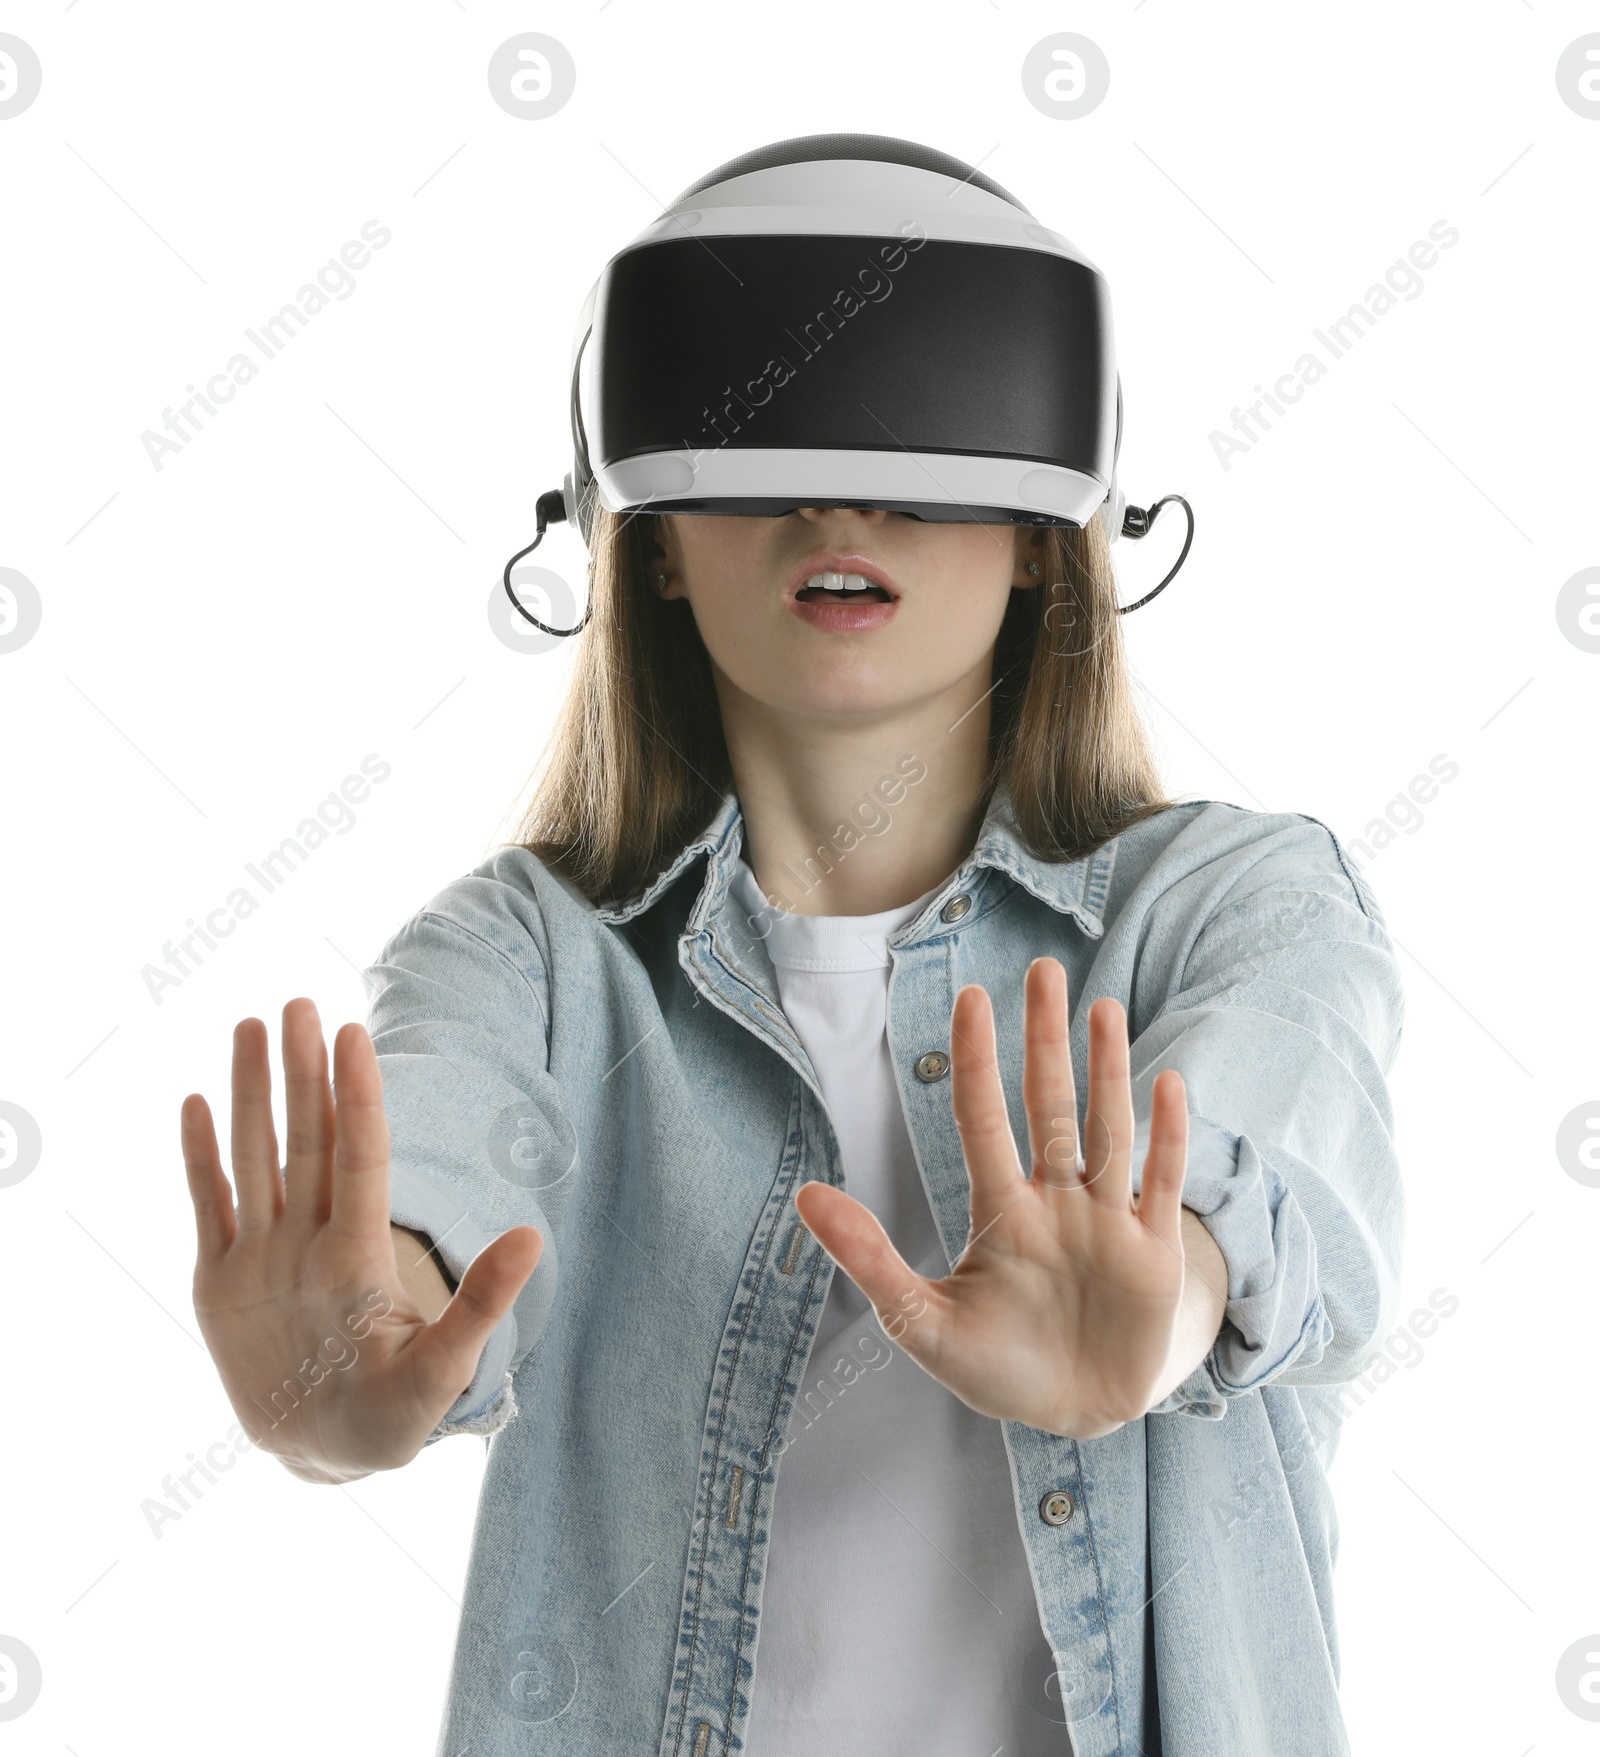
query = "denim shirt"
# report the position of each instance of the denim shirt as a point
(622, 1077)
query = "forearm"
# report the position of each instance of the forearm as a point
(1200, 1311)
(421, 1273)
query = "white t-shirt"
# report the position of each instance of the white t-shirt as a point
(898, 1614)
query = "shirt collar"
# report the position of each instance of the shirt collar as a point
(1074, 887)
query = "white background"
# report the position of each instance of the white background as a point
(223, 640)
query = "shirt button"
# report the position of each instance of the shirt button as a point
(956, 908)
(1057, 1507)
(933, 1066)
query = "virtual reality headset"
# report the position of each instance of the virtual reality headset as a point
(847, 320)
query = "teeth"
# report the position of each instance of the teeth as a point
(841, 582)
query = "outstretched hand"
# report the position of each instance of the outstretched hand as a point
(324, 1355)
(1061, 1310)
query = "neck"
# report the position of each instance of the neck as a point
(852, 818)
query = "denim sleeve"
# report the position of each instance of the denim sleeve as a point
(1284, 1020)
(478, 1132)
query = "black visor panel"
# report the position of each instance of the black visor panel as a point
(853, 343)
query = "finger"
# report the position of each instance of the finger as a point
(978, 1099)
(1108, 1123)
(215, 1226)
(360, 1202)
(1048, 1093)
(1167, 1158)
(309, 1105)
(445, 1353)
(257, 1189)
(854, 1237)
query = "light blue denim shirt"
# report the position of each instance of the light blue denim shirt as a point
(623, 1078)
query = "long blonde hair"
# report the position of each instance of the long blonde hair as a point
(637, 765)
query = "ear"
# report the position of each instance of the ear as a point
(664, 554)
(1031, 548)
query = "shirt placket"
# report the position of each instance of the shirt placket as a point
(760, 1364)
(1050, 1493)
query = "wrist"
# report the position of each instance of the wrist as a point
(1202, 1305)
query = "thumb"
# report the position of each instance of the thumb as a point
(855, 1238)
(446, 1352)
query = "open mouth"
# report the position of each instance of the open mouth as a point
(842, 588)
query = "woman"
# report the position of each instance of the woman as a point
(849, 865)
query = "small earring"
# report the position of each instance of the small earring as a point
(1033, 569)
(661, 582)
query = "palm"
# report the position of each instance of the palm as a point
(1061, 1310)
(324, 1356)
(263, 1330)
